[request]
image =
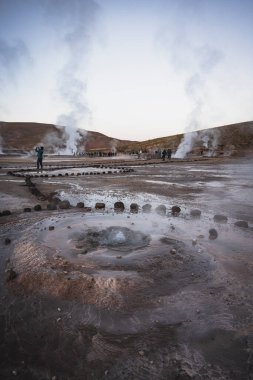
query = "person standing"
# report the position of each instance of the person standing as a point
(39, 151)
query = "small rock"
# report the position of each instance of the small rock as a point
(194, 242)
(59, 309)
(99, 206)
(14, 373)
(119, 206)
(54, 378)
(37, 208)
(64, 205)
(146, 208)
(80, 205)
(242, 224)
(195, 213)
(134, 208)
(220, 218)
(173, 251)
(5, 213)
(213, 234)
(51, 228)
(175, 210)
(10, 275)
(161, 210)
(7, 241)
(87, 209)
(27, 209)
(119, 257)
(141, 352)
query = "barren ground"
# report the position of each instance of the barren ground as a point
(106, 295)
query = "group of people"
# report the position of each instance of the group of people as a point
(40, 151)
(166, 153)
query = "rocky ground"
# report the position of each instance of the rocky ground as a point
(90, 291)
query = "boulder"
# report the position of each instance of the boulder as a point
(64, 205)
(213, 234)
(99, 206)
(119, 206)
(134, 208)
(175, 210)
(146, 208)
(80, 205)
(10, 274)
(195, 213)
(242, 224)
(6, 212)
(220, 218)
(161, 210)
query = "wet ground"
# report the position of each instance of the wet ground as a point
(123, 295)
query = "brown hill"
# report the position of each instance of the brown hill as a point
(233, 137)
(23, 137)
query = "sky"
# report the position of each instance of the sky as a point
(129, 69)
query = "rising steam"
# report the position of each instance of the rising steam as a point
(196, 90)
(75, 21)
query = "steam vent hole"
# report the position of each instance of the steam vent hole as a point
(116, 238)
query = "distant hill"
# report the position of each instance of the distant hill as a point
(232, 138)
(23, 137)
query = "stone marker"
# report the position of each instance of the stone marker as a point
(195, 213)
(242, 224)
(146, 208)
(119, 206)
(213, 234)
(220, 218)
(175, 210)
(161, 210)
(134, 208)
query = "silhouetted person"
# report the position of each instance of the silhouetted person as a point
(169, 153)
(163, 154)
(39, 151)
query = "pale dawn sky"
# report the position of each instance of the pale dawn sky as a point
(129, 69)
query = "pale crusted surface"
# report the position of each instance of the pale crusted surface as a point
(180, 308)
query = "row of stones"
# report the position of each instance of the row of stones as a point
(56, 203)
(109, 171)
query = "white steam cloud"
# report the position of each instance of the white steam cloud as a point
(196, 90)
(194, 63)
(74, 22)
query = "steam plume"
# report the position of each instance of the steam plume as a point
(75, 19)
(196, 90)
